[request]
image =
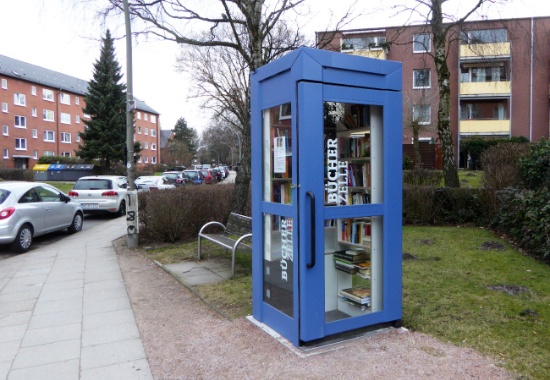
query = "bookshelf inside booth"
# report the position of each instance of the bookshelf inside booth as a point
(353, 178)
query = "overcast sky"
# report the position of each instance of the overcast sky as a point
(59, 36)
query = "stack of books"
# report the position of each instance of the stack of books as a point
(359, 296)
(353, 261)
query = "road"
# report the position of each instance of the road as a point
(89, 222)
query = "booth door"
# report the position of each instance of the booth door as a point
(342, 264)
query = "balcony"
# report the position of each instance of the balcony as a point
(484, 127)
(484, 51)
(378, 53)
(485, 89)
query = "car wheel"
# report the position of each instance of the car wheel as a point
(23, 239)
(122, 209)
(76, 225)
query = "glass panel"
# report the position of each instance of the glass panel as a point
(277, 149)
(279, 263)
(352, 142)
(353, 267)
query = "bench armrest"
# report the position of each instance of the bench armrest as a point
(211, 224)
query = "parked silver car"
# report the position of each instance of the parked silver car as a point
(30, 209)
(101, 193)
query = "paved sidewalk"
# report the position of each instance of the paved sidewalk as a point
(65, 312)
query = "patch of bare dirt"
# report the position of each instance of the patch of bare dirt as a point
(185, 339)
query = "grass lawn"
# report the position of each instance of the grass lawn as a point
(470, 178)
(63, 186)
(462, 285)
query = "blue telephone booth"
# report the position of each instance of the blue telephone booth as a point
(326, 194)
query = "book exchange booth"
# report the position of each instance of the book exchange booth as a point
(326, 195)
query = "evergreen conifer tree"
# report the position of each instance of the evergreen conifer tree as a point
(104, 137)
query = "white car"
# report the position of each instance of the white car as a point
(146, 183)
(30, 209)
(101, 193)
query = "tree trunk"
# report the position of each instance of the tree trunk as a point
(416, 146)
(241, 195)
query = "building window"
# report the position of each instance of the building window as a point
(146, 131)
(66, 154)
(153, 132)
(20, 144)
(76, 100)
(33, 90)
(145, 145)
(153, 146)
(35, 154)
(77, 138)
(4, 107)
(20, 121)
(5, 130)
(49, 153)
(34, 133)
(19, 99)
(4, 84)
(86, 116)
(49, 136)
(139, 130)
(145, 116)
(33, 112)
(154, 159)
(65, 137)
(422, 43)
(362, 43)
(65, 118)
(6, 153)
(47, 95)
(484, 36)
(153, 119)
(139, 115)
(422, 114)
(65, 99)
(421, 78)
(146, 159)
(48, 115)
(77, 119)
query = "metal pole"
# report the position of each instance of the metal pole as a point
(131, 197)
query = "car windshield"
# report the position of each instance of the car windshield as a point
(192, 175)
(93, 184)
(4, 194)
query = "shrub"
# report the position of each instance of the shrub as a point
(418, 206)
(500, 165)
(17, 174)
(535, 165)
(422, 177)
(524, 216)
(176, 214)
(407, 163)
(59, 160)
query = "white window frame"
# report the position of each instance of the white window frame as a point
(65, 98)
(20, 144)
(34, 112)
(5, 107)
(77, 100)
(35, 133)
(146, 159)
(4, 84)
(49, 136)
(153, 119)
(6, 153)
(35, 154)
(419, 46)
(154, 159)
(48, 115)
(47, 95)
(153, 146)
(49, 153)
(33, 90)
(139, 130)
(65, 137)
(139, 115)
(65, 118)
(5, 130)
(145, 145)
(145, 117)
(153, 132)
(66, 154)
(20, 99)
(77, 138)
(20, 121)
(417, 109)
(416, 74)
(146, 131)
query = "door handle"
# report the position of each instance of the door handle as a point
(311, 196)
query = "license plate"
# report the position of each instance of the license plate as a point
(90, 205)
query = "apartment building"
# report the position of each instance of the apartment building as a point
(42, 115)
(498, 69)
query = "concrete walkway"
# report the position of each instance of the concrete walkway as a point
(65, 312)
